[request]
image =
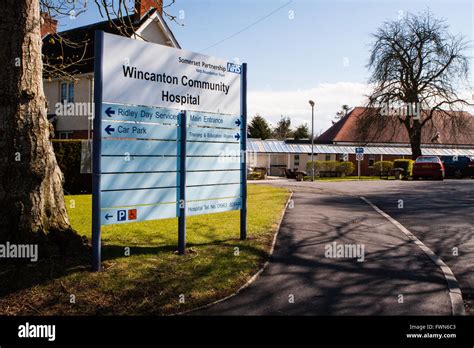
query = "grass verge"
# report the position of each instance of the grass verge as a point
(153, 279)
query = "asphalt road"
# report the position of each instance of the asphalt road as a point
(395, 277)
(442, 216)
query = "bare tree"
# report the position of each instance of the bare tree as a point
(341, 113)
(31, 194)
(417, 68)
(283, 129)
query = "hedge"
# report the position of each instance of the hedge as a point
(68, 156)
(384, 166)
(346, 167)
(406, 164)
(331, 166)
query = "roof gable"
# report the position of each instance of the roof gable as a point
(73, 50)
(436, 131)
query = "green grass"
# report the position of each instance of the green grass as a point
(153, 279)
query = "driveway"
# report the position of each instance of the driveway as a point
(395, 276)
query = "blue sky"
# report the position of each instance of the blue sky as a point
(314, 49)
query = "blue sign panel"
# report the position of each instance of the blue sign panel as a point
(213, 120)
(194, 193)
(212, 163)
(135, 130)
(213, 177)
(139, 180)
(213, 206)
(359, 150)
(132, 164)
(213, 134)
(125, 198)
(137, 213)
(212, 149)
(139, 148)
(118, 112)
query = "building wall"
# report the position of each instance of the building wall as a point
(77, 124)
(275, 163)
(365, 165)
(74, 118)
(305, 158)
(153, 33)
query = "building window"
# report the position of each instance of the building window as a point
(64, 135)
(328, 157)
(67, 92)
(297, 161)
(344, 157)
(371, 160)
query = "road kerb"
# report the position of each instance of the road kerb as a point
(455, 294)
(255, 276)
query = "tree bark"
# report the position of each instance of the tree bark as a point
(414, 133)
(31, 195)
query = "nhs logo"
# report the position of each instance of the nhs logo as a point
(235, 68)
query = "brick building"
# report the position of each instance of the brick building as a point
(341, 139)
(70, 93)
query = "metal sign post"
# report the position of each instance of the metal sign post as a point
(182, 186)
(359, 157)
(96, 150)
(358, 169)
(243, 153)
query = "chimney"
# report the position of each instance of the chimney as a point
(48, 25)
(142, 7)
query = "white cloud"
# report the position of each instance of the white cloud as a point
(328, 98)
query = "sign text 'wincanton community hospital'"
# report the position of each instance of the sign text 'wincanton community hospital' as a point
(140, 73)
(170, 136)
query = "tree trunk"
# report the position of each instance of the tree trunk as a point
(31, 195)
(414, 133)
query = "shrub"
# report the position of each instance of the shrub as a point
(326, 166)
(68, 156)
(346, 167)
(406, 164)
(331, 166)
(309, 165)
(254, 176)
(384, 166)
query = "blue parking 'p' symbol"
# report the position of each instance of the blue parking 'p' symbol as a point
(121, 215)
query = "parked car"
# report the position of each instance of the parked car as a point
(458, 166)
(428, 167)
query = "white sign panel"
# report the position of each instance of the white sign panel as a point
(143, 73)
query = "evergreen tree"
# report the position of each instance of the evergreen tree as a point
(259, 128)
(302, 132)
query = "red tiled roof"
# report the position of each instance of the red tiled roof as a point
(436, 132)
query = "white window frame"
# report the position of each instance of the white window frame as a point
(64, 135)
(69, 98)
(371, 158)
